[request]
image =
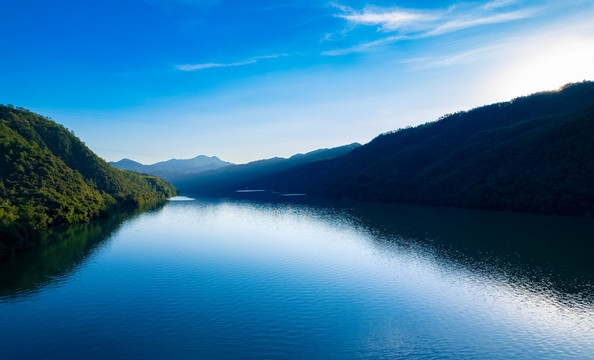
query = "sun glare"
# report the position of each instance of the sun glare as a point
(548, 66)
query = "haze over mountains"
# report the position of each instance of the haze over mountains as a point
(215, 172)
(170, 169)
(234, 177)
(531, 154)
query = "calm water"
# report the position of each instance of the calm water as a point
(240, 279)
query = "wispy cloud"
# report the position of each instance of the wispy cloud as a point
(428, 62)
(495, 4)
(415, 23)
(472, 21)
(364, 46)
(390, 20)
(194, 67)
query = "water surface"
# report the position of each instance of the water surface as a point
(241, 279)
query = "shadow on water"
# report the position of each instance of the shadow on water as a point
(305, 279)
(552, 253)
(62, 251)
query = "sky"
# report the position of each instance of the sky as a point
(243, 80)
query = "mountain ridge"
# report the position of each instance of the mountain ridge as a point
(234, 177)
(172, 168)
(531, 154)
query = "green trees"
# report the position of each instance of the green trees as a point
(49, 177)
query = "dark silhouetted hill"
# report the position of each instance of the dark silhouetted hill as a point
(531, 154)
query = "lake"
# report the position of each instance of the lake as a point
(297, 279)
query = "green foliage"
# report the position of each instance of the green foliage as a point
(17, 237)
(49, 177)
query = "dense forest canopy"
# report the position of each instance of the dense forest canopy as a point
(531, 154)
(49, 177)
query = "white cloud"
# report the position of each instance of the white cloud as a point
(520, 65)
(363, 46)
(471, 21)
(495, 4)
(434, 22)
(194, 67)
(415, 23)
(428, 62)
(389, 20)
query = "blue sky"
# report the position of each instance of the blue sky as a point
(244, 80)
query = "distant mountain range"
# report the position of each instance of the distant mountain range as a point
(531, 154)
(211, 172)
(171, 169)
(230, 178)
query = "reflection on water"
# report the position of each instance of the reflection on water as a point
(63, 251)
(248, 279)
(552, 251)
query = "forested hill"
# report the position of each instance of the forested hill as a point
(48, 176)
(531, 154)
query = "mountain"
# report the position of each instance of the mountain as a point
(127, 164)
(228, 179)
(48, 177)
(531, 154)
(197, 164)
(174, 168)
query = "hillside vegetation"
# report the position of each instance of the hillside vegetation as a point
(49, 177)
(531, 154)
